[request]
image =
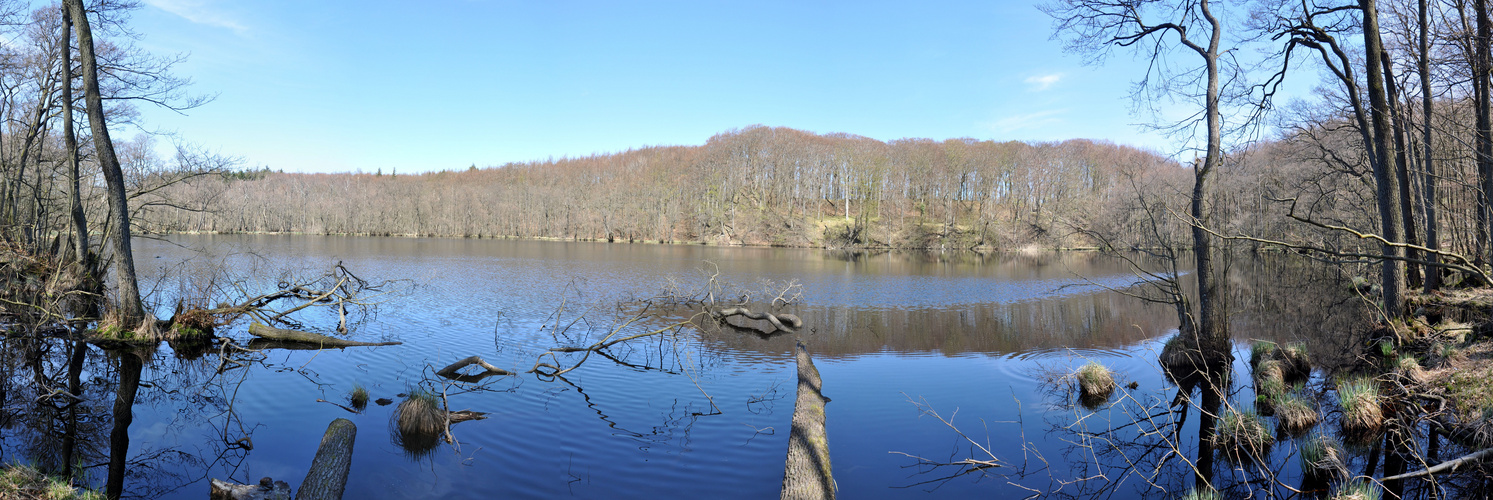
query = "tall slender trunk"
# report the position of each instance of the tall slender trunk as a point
(1423, 65)
(70, 143)
(1213, 328)
(1402, 170)
(131, 311)
(1393, 272)
(1483, 136)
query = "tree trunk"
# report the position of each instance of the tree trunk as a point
(1483, 136)
(807, 473)
(1213, 334)
(70, 144)
(1423, 65)
(334, 459)
(131, 310)
(1402, 170)
(1393, 273)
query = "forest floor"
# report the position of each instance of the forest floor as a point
(1450, 341)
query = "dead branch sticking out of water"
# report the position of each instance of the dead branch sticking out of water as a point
(780, 322)
(453, 371)
(338, 291)
(1447, 466)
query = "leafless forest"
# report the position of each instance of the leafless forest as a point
(780, 186)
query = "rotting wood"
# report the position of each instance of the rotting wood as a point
(807, 473)
(453, 371)
(270, 332)
(784, 322)
(334, 458)
(267, 489)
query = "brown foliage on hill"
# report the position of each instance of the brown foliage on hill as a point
(754, 186)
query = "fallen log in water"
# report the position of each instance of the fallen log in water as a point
(328, 474)
(807, 472)
(453, 371)
(272, 333)
(784, 322)
(326, 479)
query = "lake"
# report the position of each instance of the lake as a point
(702, 413)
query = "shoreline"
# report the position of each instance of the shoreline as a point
(941, 248)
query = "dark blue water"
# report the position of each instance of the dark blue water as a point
(978, 339)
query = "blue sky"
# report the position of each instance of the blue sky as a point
(326, 86)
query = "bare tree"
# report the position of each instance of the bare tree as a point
(131, 310)
(1094, 27)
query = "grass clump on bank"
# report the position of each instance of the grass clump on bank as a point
(1322, 457)
(1241, 433)
(1295, 412)
(1095, 384)
(18, 481)
(1261, 350)
(1362, 414)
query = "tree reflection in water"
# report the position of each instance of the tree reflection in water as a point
(69, 404)
(1160, 443)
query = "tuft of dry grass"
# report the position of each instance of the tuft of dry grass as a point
(1095, 382)
(419, 421)
(1322, 457)
(1362, 414)
(358, 396)
(1295, 412)
(1201, 494)
(1357, 490)
(1261, 350)
(1242, 433)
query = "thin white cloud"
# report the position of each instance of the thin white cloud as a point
(1027, 121)
(1040, 83)
(200, 12)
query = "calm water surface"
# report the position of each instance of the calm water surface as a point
(703, 416)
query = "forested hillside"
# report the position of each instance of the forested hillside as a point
(754, 186)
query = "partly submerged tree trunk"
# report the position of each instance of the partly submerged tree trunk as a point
(131, 310)
(270, 332)
(328, 474)
(807, 473)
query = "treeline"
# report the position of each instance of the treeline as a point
(754, 186)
